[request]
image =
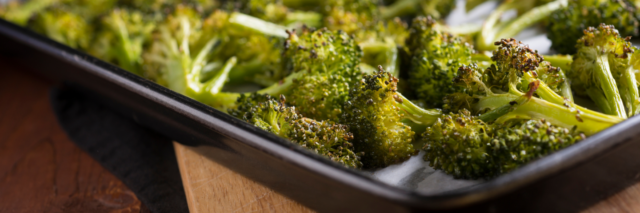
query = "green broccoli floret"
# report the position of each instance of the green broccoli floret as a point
(350, 16)
(492, 30)
(375, 112)
(275, 11)
(567, 24)
(466, 147)
(323, 66)
(56, 22)
(435, 58)
(592, 70)
(513, 59)
(330, 62)
(437, 9)
(180, 69)
(457, 144)
(19, 12)
(258, 52)
(122, 36)
(323, 137)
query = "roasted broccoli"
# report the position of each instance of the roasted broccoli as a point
(375, 113)
(566, 25)
(323, 137)
(55, 23)
(338, 64)
(600, 50)
(19, 12)
(435, 58)
(121, 39)
(466, 147)
(514, 104)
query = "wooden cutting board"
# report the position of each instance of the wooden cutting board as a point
(211, 187)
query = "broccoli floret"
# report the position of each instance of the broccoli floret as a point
(121, 38)
(259, 55)
(374, 114)
(592, 72)
(492, 30)
(435, 58)
(19, 12)
(56, 22)
(323, 137)
(466, 147)
(180, 69)
(513, 59)
(350, 16)
(457, 144)
(323, 66)
(437, 9)
(567, 24)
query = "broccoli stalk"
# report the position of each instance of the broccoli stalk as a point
(492, 30)
(122, 38)
(561, 61)
(437, 9)
(514, 104)
(568, 116)
(592, 69)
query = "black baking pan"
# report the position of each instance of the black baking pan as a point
(565, 181)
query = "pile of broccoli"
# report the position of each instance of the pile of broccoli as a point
(370, 83)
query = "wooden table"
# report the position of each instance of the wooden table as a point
(42, 171)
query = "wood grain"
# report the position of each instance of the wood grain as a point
(41, 170)
(211, 187)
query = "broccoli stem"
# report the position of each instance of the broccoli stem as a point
(242, 23)
(400, 8)
(417, 114)
(492, 31)
(310, 19)
(534, 108)
(465, 29)
(629, 91)
(562, 61)
(596, 95)
(227, 100)
(608, 87)
(529, 18)
(381, 53)
(488, 32)
(127, 56)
